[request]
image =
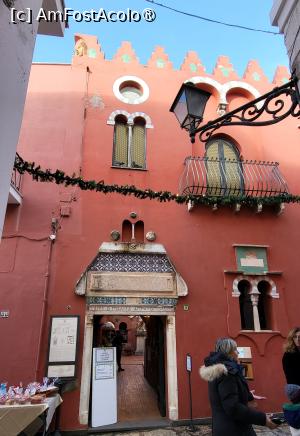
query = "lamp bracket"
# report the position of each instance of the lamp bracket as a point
(270, 105)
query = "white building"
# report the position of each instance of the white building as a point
(285, 14)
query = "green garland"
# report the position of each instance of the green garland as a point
(60, 177)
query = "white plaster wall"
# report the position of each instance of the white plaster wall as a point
(286, 15)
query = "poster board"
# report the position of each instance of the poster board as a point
(104, 387)
(63, 344)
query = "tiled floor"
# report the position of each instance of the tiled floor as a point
(136, 399)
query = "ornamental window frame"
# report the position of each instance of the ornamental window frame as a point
(255, 294)
(130, 121)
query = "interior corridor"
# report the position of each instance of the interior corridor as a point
(137, 401)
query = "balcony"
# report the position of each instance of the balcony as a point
(215, 177)
(14, 196)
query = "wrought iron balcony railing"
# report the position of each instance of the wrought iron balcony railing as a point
(228, 177)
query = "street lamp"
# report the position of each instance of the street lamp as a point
(190, 102)
(188, 107)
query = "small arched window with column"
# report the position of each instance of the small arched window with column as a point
(129, 146)
(255, 302)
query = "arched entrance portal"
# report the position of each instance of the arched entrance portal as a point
(134, 280)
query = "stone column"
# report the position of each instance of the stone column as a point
(172, 368)
(86, 370)
(254, 301)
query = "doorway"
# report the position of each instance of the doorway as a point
(141, 392)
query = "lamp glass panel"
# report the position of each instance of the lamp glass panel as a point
(180, 110)
(196, 101)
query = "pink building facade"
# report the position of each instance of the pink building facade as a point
(198, 272)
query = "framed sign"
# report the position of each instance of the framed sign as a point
(63, 344)
(251, 259)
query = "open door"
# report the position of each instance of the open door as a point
(154, 368)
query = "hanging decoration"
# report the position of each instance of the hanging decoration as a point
(59, 177)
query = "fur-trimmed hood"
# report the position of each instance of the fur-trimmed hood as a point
(216, 365)
(211, 373)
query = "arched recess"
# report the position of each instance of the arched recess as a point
(222, 89)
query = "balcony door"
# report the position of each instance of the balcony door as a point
(224, 169)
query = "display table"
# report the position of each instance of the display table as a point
(28, 418)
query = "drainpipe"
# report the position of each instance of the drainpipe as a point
(52, 239)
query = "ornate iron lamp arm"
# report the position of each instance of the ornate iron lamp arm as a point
(269, 104)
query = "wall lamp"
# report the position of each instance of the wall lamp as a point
(190, 102)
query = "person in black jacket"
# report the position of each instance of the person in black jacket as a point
(118, 343)
(291, 357)
(229, 393)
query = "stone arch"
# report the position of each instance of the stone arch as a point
(273, 289)
(130, 117)
(146, 117)
(254, 285)
(112, 118)
(235, 84)
(206, 80)
(223, 89)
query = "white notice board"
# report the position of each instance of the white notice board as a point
(104, 387)
(62, 347)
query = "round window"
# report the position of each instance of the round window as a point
(131, 90)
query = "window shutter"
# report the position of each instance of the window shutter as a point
(120, 155)
(224, 177)
(232, 170)
(138, 146)
(214, 182)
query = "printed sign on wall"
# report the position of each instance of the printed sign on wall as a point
(63, 339)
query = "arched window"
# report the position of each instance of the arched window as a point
(126, 231)
(139, 231)
(120, 151)
(138, 143)
(246, 310)
(264, 306)
(224, 169)
(129, 143)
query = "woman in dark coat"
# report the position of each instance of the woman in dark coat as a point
(291, 357)
(229, 393)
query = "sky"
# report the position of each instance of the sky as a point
(177, 33)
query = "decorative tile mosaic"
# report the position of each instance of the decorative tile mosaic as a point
(256, 76)
(92, 53)
(132, 262)
(106, 300)
(193, 67)
(159, 301)
(126, 58)
(160, 63)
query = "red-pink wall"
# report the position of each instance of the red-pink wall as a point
(62, 130)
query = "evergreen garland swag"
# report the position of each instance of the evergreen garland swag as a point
(59, 177)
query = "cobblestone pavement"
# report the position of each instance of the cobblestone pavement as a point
(200, 430)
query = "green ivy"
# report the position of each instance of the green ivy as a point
(59, 177)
